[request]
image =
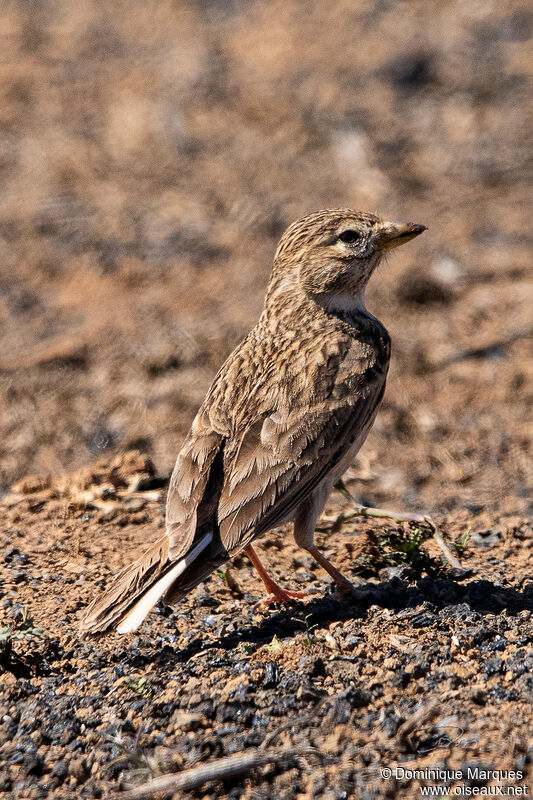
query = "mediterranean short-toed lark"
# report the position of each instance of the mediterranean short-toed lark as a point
(281, 422)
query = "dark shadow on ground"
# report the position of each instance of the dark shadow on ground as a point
(419, 603)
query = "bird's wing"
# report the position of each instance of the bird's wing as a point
(256, 451)
(282, 456)
(195, 485)
(198, 475)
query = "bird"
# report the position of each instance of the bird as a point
(282, 421)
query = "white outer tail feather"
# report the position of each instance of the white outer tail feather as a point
(140, 610)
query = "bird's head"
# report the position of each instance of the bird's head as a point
(332, 254)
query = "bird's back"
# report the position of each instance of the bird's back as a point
(285, 406)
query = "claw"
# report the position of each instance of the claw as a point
(346, 592)
(281, 596)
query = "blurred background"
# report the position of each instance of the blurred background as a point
(151, 154)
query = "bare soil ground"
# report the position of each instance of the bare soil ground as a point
(151, 156)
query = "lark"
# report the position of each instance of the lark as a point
(282, 421)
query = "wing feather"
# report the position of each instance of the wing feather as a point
(189, 504)
(276, 437)
(262, 494)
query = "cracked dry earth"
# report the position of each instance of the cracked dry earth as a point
(430, 668)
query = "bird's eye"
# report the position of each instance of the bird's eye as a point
(349, 236)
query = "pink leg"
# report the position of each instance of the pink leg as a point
(275, 593)
(304, 532)
(346, 589)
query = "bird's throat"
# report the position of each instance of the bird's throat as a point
(343, 303)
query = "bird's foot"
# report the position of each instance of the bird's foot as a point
(346, 592)
(280, 595)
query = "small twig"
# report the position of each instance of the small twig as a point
(222, 769)
(415, 722)
(137, 738)
(445, 549)
(415, 726)
(412, 519)
(297, 722)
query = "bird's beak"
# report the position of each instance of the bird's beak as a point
(393, 234)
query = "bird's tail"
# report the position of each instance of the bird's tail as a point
(138, 587)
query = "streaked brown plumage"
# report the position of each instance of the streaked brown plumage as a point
(281, 422)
